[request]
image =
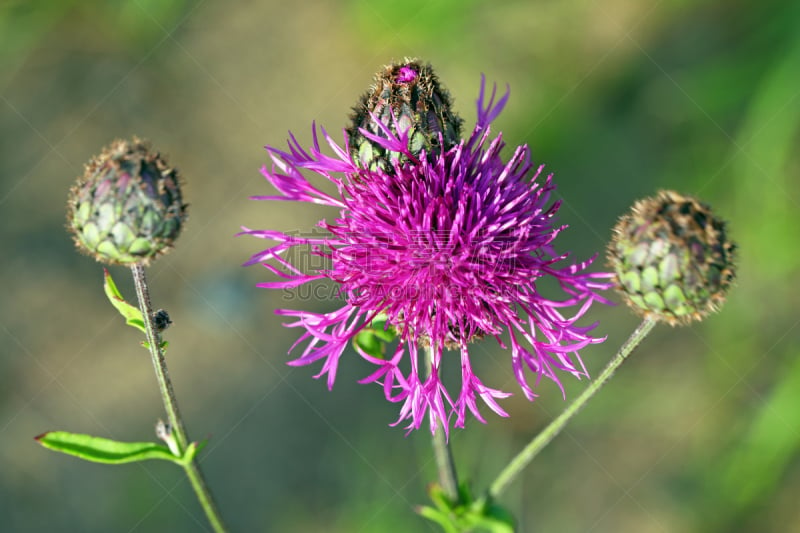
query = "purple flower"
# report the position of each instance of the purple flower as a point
(448, 249)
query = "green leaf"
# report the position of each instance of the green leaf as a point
(498, 519)
(440, 499)
(372, 339)
(437, 516)
(132, 315)
(468, 514)
(100, 450)
(191, 451)
(146, 345)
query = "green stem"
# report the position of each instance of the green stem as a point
(518, 464)
(204, 496)
(448, 478)
(170, 401)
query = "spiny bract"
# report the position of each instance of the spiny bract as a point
(127, 207)
(672, 258)
(406, 97)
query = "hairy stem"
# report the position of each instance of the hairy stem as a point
(170, 401)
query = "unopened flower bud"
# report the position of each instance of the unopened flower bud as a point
(673, 259)
(127, 208)
(406, 97)
(164, 432)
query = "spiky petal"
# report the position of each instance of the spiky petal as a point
(447, 249)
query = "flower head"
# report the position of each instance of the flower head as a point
(672, 258)
(127, 207)
(445, 250)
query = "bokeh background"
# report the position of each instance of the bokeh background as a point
(700, 431)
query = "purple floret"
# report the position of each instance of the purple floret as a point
(449, 250)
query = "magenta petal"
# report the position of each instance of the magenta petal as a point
(448, 248)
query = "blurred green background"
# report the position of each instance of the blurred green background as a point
(700, 431)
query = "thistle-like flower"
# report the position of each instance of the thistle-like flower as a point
(127, 207)
(672, 258)
(445, 248)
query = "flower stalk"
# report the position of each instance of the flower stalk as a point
(446, 466)
(518, 464)
(178, 429)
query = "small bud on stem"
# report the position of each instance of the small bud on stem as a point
(673, 259)
(127, 208)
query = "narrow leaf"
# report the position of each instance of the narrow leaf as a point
(100, 450)
(498, 519)
(437, 516)
(132, 315)
(191, 451)
(146, 345)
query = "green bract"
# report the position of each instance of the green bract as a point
(127, 208)
(672, 258)
(406, 97)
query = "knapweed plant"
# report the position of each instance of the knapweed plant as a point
(128, 209)
(440, 240)
(437, 239)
